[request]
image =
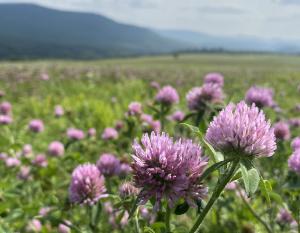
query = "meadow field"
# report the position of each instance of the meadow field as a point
(85, 107)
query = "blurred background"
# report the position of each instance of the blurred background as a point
(92, 29)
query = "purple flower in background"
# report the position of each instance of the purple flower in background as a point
(92, 132)
(166, 169)
(5, 108)
(119, 125)
(231, 186)
(125, 169)
(59, 111)
(75, 134)
(3, 156)
(45, 77)
(284, 216)
(34, 226)
(27, 150)
(167, 96)
(12, 162)
(36, 126)
(108, 165)
(5, 119)
(294, 162)
(243, 130)
(214, 78)
(282, 131)
(177, 116)
(294, 122)
(155, 126)
(24, 173)
(87, 185)
(146, 118)
(40, 160)
(296, 143)
(56, 148)
(44, 211)
(127, 190)
(109, 134)
(199, 96)
(260, 96)
(155, 85)
(134, 108)
(63, 228)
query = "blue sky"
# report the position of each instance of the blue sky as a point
(261, 18)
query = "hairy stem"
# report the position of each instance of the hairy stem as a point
(167, 219)
(223, 181)
(258, 218)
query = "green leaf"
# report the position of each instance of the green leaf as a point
(214, 167)
(148, 230)
(253, 180)
(216, 156)
(181, 208)
(245, 177)
(194, 129)
(265, 189)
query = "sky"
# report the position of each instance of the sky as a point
(260, 18)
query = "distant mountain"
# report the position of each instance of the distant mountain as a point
(238, 43)
(31, 31)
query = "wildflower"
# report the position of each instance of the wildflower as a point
(75, 134)
(296, 143)
(24, 173)
(282, 130)
(284, 216)
(92, 132)
(12, 162)
(261, 97)
(127, 190)
(242, 130)
(27, 150)
(59, 111)
(109, 165)
(294, 162)
(56, 148)
(87, 185)
(177, 116)
(166, 169)
(5, 108)
(199, 96)
(34, 226)
(167, 96)
(5, 119)
(134, 108)
(36, 126)
(110, 134)
(40, 160)
(63, 227)
(214, 78)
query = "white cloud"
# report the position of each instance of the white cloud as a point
(263, 18)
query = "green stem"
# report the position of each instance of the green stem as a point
(167, 219)
(258, 218)
(217, 192)
(136, 222)
(90, 216)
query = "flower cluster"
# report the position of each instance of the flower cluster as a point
(214, 78)
(261, 97)
(242, 130)
(199, 96)
(166, 169)
(167, 95)
(87, 185)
